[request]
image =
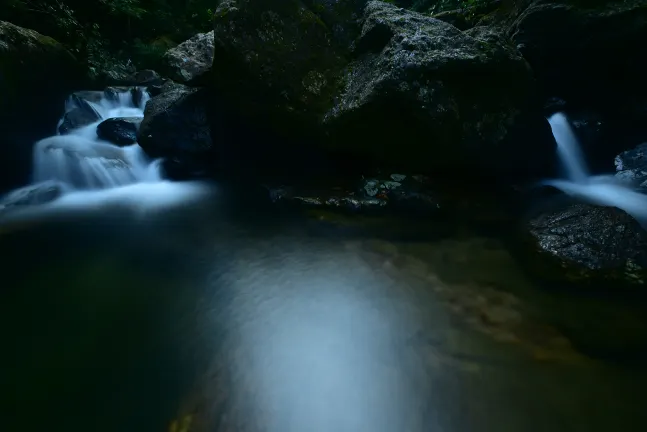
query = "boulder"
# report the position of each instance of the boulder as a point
(176, 127)
(631, 167)
(412, 93)
(79, 113)
(121, 131)
(39, 193)
(278, 62)
(425, 96)
(588, 244)
(36, 75)
(191, 59)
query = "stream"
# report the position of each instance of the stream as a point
(131, 303)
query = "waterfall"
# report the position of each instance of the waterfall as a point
(568, 148)
(79, 171)
(606, 190)
(81, 161)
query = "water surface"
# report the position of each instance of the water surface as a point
(211, 316)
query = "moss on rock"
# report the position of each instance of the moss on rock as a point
(277, 61)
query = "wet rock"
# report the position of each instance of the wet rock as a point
(112, 93)
(40, 193)
(79, 113)
(588, 244)
(119, 130)
(191, 59)
(277, 61)
(368, 195)
(413, 84)
(631, 166)
(135, 94)
(176, 127)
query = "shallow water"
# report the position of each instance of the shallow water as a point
(209, 316)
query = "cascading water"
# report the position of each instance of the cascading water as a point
(604, 190)
(80, 160)
(78, 170)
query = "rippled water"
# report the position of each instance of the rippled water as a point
(221, 317)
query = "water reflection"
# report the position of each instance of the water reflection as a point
(125, 320)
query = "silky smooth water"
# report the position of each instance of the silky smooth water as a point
(82, 161)
(604, 190)
(218, 316)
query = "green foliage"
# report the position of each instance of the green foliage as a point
(113, 32)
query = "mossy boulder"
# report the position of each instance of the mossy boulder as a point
(36, 74)
(191, 60)
(371, 82)
(425, 96)
(280, 62)
(587, 245)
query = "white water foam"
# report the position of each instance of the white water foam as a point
(601, 190)
(82, 161)
(79, 171)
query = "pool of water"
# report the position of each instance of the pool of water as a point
(211, 316)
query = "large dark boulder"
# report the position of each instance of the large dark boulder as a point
(190, 60)
(121, 131)
(426, 96)
(278, 62)
(176, 127)
(411, 94)
(36, 75)
(589, 245)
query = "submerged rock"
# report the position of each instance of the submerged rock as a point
(119, 130)
(191, 59)
(588, 244)
(39, 193)
(395, 192)
(176, 127)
